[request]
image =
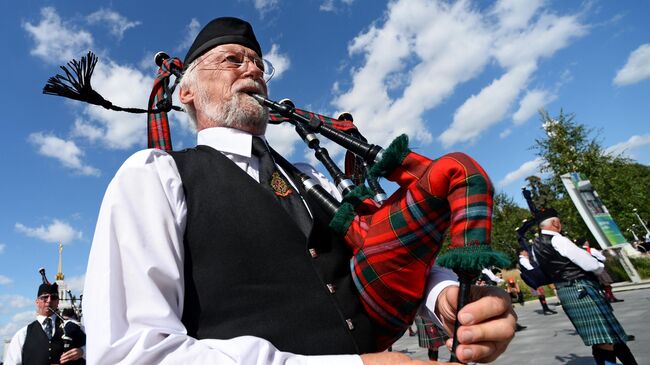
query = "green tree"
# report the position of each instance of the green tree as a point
(566, 147)
(507, 216)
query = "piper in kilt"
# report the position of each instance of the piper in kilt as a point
(574, 272)
(430, 336)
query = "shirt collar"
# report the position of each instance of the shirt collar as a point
(227, 140)
(40, 318)
(552, 233)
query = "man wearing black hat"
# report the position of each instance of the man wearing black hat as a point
(574, 271)
(213, 254)
(41, 341)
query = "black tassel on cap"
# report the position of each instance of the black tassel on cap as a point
(76, 82)
(76, 85)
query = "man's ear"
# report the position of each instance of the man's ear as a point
(186, 95)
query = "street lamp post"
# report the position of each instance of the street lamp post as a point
(636, 238)
(641, 220)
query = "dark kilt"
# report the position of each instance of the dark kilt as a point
(429, 335)
(592, 316)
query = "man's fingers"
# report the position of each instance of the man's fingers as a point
(499, 329)
(490, 303)
(480, 352)
(393, 358)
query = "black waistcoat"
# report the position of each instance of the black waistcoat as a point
(249, 270)
(556, 266)
(37, 349)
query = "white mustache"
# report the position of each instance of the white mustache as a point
(251, 86)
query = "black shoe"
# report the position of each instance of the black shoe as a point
(631, 337)
(616, 300)
(520, 327)
(549, 311)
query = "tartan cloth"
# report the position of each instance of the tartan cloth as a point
(395, 245)
(158, 135)
(592, 316)
(343, 125)
(429, 335)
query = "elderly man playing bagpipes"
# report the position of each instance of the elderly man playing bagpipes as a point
(221, 253)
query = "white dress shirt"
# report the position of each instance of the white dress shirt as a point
(577, 255)
(135, 269)
(14, 352)
(597, 254)
(525, 262)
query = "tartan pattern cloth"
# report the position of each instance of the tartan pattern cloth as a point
(395, 245)
(429, 335)
(158, 135)
(592, 316)
(343, 125)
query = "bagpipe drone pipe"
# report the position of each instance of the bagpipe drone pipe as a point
(394, 240)
(534, 277)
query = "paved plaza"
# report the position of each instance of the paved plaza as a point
(551, 339)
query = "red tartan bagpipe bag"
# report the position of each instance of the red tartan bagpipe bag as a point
(396, 244)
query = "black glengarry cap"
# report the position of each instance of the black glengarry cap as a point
(226, 30)
(48, 289)
(546, 213)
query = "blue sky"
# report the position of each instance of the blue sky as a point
(463, 76)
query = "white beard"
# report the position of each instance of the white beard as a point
(240, 112)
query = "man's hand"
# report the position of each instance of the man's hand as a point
(393, 358)
(487, 322)
(70, 355)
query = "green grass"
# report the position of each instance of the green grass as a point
(642, 265)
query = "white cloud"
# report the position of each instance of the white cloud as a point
(113, 129)
(4, 280)
(283, 138)
(515, 14)
(193, 29)
(628, 147)
(57, 231)
(505, 133)
(57, 42)
(423, 50)
(434, 45)
(2, 247)
(117, 23)
(637, 67)
(541, 39)
(518, 52)
(66, 152)
(17, 321)
(280, 61)
(119, 130)
(75, 284)
(10, 302)
(481, 111)
(329, 5)
(264, 6)
(530, 104)
(526, 169)
(86, 130)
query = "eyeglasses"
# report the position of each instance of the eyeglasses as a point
(45, 297)
(229, 60)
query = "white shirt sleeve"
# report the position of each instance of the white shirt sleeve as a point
(577, 255)
(14, 351)
(525, 262)
(133, 296)
(597, 254)
(439, 279)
